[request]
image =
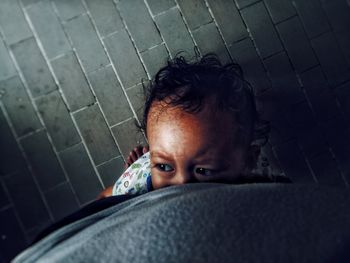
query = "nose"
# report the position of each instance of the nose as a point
(184, 178)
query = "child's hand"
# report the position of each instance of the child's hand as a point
(105, 193)
(135, 154)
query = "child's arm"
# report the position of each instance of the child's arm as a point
(106, 193)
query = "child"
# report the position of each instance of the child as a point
(201, 123)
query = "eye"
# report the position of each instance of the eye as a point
(164, 167)
(203, 171)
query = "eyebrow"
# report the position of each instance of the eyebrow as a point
(201, 155)
(159, 154)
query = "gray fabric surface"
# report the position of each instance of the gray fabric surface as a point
(210, 223)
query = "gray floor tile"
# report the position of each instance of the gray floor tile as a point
(125, 59)
(110, 95)
(155, 58)
(10, 155)
(244, 53)
(128, 136)
(338, 14)
(7, 68)
(343, 95)
(19, 107)
(137, 97)
(105, 15)
(300, 52)
(135, 13)
(312, 16)
(96, 134)
(158, 6)
(320, 96)
(33, 67)
(244, 3)
(283, 77)
(111, 170)
(293, 163)
(13, 23)
(280, 9)
(226, 14)
(58, 120)
(48, 28)
(69, 74)
(326, 170)
(69, 8)
(331, 59)
(216, 45)
(175, 33)
(86, 43)
(46, 168)
(81, 173)
(262, 30)
(312, 142)
(13, 239)
(195, 12)
(27, 200)
(4, 200)
(61, 201)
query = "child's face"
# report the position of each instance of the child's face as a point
(187, 148)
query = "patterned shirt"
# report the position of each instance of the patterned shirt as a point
(136, 179)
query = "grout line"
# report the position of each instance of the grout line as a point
(160, 13)
(117, 74)
(21, 225)
(22, 137)
(196, 48)
(307, 161)
(119, 123)
(85, 73)
(138, 52)
(268, 76)
(157, 28)
(27, 90)
(249, 5)
(114, 158)
(93, 164)
(219, 30)
(97, 101)
(114, 70)
(283, 20)
(65, 102)
(7, 207)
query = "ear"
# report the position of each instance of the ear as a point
(253, 155)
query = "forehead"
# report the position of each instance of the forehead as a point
(205, 127)
(160, 112)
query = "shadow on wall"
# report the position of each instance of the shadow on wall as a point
(70, 88)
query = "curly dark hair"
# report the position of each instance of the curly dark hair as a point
(188, 84)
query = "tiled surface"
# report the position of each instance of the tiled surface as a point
(71, 92)
(69, 74)
(135, 13)
(96, 134)
(81, 173)
(19, 106)
(12, 238)
(86, 43)
(61, 200)
(33, 67)
(110, 170)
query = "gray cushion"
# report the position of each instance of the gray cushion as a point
(210, 223)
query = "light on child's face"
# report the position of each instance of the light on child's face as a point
(186, 148)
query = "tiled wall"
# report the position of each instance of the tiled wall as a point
(70, 74)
